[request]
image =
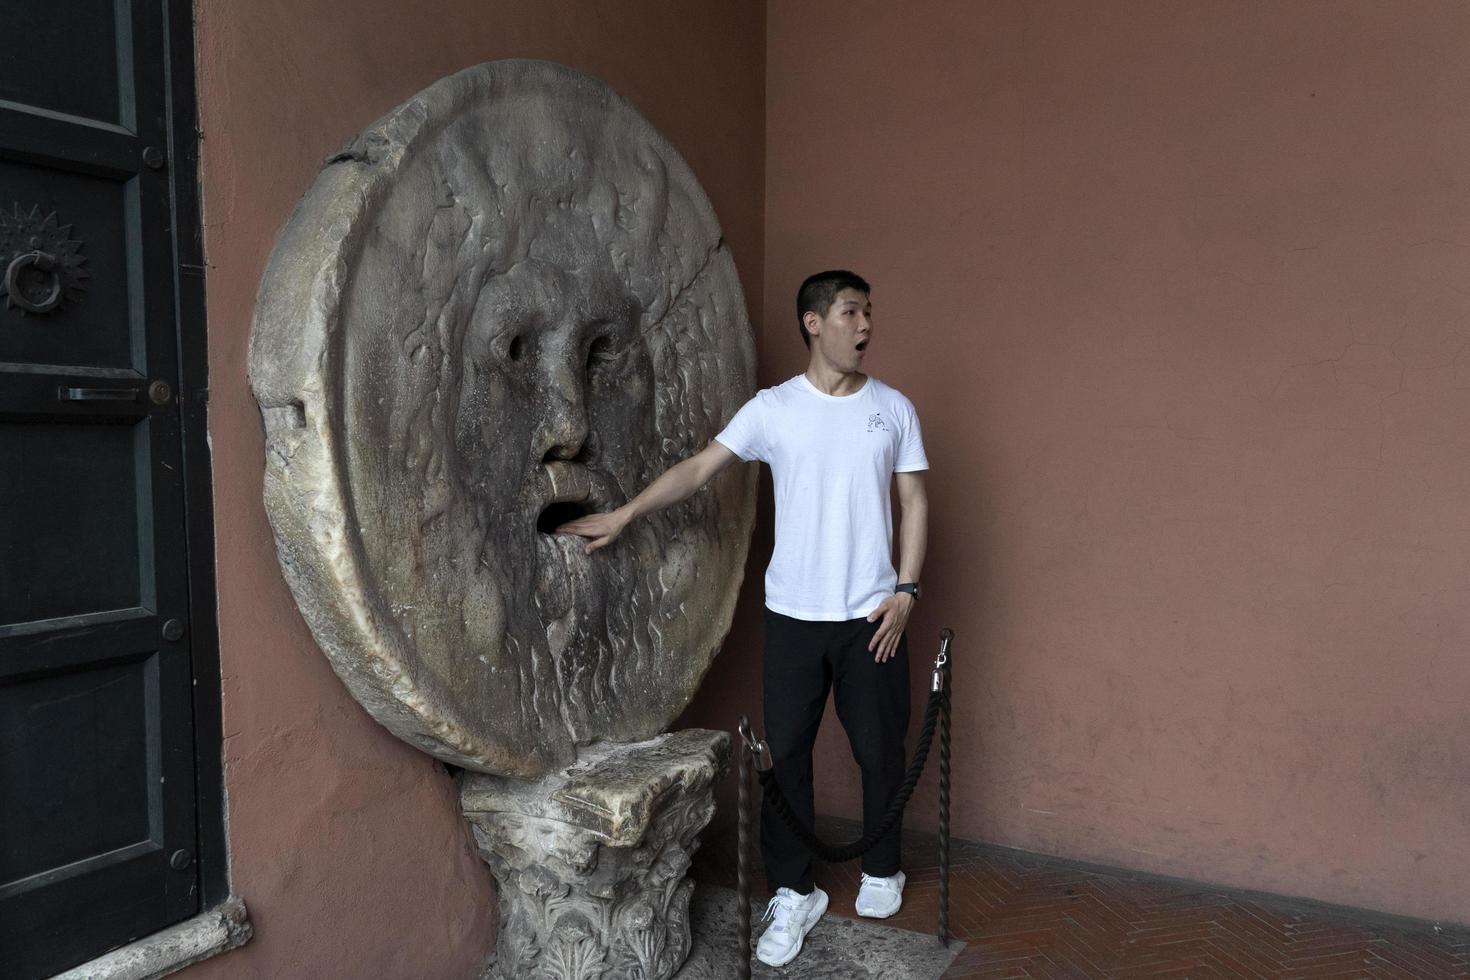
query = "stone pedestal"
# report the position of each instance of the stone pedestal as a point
(592, 860)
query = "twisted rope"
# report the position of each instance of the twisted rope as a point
(837, 853)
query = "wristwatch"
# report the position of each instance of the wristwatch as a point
(912, 588)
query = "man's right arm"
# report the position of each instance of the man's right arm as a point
(677, 483)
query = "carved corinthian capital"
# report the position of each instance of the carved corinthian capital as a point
(591, 861)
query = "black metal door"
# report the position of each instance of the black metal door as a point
(97, 795)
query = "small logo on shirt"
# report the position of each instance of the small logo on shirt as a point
(875, 423)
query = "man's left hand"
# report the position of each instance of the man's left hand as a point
(894, 611)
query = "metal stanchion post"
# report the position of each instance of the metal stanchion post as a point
(742, 848)
(942, 676)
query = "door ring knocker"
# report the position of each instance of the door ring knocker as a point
(42, 262)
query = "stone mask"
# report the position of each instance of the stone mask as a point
(505, 304)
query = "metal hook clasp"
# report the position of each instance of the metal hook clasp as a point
(941, 661)
(760, 752)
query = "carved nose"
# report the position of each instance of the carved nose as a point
(565, 434)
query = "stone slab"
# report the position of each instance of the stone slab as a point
(214, 931)
(837, 948)
(613, 790)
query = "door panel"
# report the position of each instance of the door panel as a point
(90, 837)
(99, 322)
(98, 813)
(68, 61)
(56, 763)
(72, 541)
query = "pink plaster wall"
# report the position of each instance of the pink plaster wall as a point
(347, 844)
(1180, 292)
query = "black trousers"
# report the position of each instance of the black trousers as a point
(803, 661)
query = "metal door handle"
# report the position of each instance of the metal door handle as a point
(98, 394)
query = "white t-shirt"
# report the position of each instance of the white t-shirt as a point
(832, 460)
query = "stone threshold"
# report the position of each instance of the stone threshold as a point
(209, 933)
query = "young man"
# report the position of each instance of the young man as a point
(835, 440)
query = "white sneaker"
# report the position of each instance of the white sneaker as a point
(792, 917)
(878, 898)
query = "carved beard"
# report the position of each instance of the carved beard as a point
(574, 621)
(580, 637)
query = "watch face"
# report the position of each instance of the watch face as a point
(912, 588)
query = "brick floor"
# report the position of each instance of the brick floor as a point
(1024, 916)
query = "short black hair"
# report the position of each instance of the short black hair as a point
(819, 292)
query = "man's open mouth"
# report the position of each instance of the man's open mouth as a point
(862, 345)
(570, 496)
(560, 512)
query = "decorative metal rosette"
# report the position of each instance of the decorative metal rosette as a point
(43, 264)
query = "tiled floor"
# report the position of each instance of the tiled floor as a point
(1025, 916)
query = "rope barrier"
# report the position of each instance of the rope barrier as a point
(936, 715)
(838, 853)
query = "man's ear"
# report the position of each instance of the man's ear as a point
(812, 322)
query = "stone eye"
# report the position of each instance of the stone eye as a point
(601, 352)
(515, 348)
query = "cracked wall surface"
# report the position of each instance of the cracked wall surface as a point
(1180, 293)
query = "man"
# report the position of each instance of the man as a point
(835, 440)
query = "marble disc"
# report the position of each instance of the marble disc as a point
(505, 304)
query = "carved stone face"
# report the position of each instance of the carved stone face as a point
(556, 373)
(507, 304)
